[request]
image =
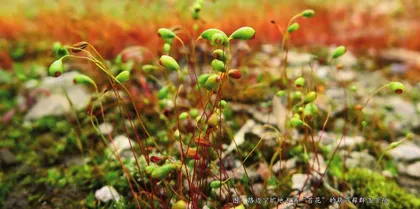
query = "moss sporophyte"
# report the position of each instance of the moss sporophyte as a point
(181, 162)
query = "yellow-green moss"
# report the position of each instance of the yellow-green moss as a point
(370, 184)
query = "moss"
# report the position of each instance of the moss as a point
(369, 184)
(5, 186)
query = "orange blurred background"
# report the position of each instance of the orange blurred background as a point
(113, 25)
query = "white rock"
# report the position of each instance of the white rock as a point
(401, 107)
(298, 181)
(347, 60)
(268, 48)
(122, 143)
(279, 111)
(387, 173)
(346, 75)
(107, 193)
(57, 103)
(407, 151)
(31, 83)
(295, 58)
(317, 166)
(105, 128)
(57, 84)
(240, 136)
(360, 160)
(285, 164)
(274, 62)
(414, 170)
(326, 139)
(333, 139)
(322, 71)
(350, 141)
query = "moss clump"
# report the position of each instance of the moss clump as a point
(370, 184)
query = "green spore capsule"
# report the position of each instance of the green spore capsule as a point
(364, 123)
(194, 112)
(148, 68)
(169, 63)
(213, 120)
(183, 116)
(244, 33)
(195, 14)
(297, 95)
(197, 6)
(293, 27)
(308, 13)
(59, 50)
(215, 184)
(180, 204)
(220, 55)
(217, 39)
(195, 27)
(209, 33)
(307, 112)
(123, 76)
(310, 110)
(166, 48)
(213, 82)
(118, 59)
(241, 206)
(300, 82)
(203, 78)
(281, 93)
(56, 68)
(338, 52)
(83, 79)
(62, 52)
(150, 168)
(168, 40)
(163, 171)
(218, 65)
(166, 33)
(163, 93)
(223, 103)
(260, 78)
(397, 87)
(177, 135)
(296, 122)
(394, 145)
(310, 97)
(57, 45)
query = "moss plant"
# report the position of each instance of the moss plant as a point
(180, 176)
(379, 186)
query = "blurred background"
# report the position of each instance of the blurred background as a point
(28, 28)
